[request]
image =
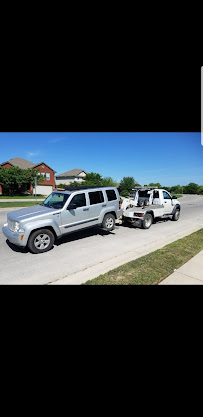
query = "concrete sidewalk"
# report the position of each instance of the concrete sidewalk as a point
(191, 273)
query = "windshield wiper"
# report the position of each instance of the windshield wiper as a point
(47, 205)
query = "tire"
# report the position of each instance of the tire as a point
(108, 222)
(147, 222)
(176, 215)
(41, 241)
(140, 203)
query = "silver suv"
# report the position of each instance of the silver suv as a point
(63, 212)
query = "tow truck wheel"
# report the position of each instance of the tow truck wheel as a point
(176, 215)
(147, 222)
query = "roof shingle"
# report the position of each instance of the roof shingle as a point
(22, 163)
(72, 173)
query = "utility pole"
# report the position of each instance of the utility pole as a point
(35, 189)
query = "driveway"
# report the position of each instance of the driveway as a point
(84, 255)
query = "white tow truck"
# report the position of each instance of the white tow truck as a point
(147, 205)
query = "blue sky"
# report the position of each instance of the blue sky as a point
(168, 158)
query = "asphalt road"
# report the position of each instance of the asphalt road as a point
(92, 251)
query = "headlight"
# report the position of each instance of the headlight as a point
(16, 226)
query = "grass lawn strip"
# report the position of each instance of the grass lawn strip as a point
(18, 204)
(154, 267)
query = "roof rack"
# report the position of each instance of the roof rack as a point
(83, 187)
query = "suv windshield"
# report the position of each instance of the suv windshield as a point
(56, 200)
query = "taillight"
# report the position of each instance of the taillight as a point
(139, 214)
(120, 202)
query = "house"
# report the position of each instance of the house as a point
(76, 174)
(46, 187)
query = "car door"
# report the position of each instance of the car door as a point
(167, 203)
(75, 218)
(96, 204)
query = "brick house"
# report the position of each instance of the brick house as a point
(76, 174)
(46, 187)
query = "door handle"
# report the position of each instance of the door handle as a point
(86, 209)
(103, 205)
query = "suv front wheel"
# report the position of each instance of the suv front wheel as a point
(108, 222)
(41, 241)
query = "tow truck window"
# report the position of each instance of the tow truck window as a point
(144, 194)
(166, 196)
(156, 194)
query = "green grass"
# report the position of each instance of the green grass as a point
(154, 267)
(18, 204)
(7, 197)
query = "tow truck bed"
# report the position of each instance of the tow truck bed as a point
(159, 210)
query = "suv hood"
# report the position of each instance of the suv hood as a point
(27, 212)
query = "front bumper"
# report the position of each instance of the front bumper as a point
(13, 237)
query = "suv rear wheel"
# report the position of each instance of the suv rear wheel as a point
(108, 222)
(41, 241)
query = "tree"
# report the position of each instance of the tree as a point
(191, 188)
(108, 182)
(95, 179)
(200, 189)
(12, 179)
(126, 185)
(176, 189)
(167, 188)
(61, 185)
(91, 179)
(155, 185)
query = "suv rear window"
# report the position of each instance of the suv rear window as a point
(111, 195)
(96, 197)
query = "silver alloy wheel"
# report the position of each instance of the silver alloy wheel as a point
(177, 214)
(42, 241)
(148, 221)
(109, 222)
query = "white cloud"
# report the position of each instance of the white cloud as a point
(32, 153)
(59, 139)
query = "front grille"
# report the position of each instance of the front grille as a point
(11, 225)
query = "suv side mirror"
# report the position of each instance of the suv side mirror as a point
(174, 197)
(72, 206)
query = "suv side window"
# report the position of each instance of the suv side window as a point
(111, 195)
(96, 197)
(79, 200)
(166, 196)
